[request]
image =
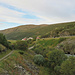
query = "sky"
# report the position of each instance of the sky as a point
(21, 12)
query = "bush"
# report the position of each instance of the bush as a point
(21, 52)
(14, 45)
(68, 66)
(3, 41)
(22, 45)
(38, 49)
(2, 48)
(39, 59)
(56, 57)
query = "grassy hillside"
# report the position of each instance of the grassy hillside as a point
(20, 32)
(21, 64)
(49, 42)
(23, 60)
(65, 44)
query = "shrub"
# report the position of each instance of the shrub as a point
(21, 52)
(2, 48)
(39, 59)
(56, 57)
(3, 40)
(38, 49)
(14, 46)
(68, 66)
(22, 45)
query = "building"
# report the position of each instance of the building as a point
(37, 38)
(30, 38)
(24, 39)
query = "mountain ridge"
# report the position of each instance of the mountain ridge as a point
(31, 30)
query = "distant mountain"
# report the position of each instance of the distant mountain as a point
(17, 33)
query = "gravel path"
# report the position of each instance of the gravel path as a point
(31, 47)
(6, 55)
(11, 53)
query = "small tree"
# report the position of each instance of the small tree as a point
(3, 40)
(2, 48)
(22, 45)
(56, 57)
(39, 59)
(68, 66)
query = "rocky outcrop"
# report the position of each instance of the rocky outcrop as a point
(32, 68)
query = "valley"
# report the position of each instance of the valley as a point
(50, 52)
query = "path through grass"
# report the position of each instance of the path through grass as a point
(4, 53)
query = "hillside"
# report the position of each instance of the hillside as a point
(47, 57)
(21, 64)
(61, 29)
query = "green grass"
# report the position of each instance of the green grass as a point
(12, 41)
(49, 42)
(4, 53)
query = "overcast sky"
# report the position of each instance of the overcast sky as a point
(21, 12)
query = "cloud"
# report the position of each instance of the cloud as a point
(37, 11)
(9, 15)
(6, 13)
(2, 20)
